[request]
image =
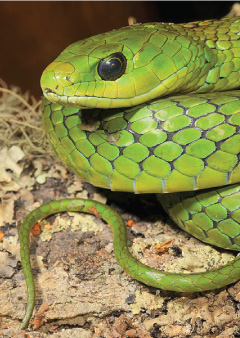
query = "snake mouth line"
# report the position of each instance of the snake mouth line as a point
(49, 91)
(65, 100)
(86, 101)
(93, 101)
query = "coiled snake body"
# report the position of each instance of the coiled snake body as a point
(136, 141)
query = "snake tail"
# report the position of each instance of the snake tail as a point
(180, 282)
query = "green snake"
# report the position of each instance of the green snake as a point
(104, 117)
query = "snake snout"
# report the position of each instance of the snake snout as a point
(56, 77)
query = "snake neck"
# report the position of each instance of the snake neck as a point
(214, 45)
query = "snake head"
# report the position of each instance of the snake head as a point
(122, 68)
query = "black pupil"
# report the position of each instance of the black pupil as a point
(112, 67)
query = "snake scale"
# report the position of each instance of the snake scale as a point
(151, 108)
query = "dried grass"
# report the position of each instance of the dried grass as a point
(21, 122)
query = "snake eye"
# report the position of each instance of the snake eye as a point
(112, 67)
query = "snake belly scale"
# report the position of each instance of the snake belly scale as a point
(151, 108)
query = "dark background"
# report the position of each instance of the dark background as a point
(34, 33)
